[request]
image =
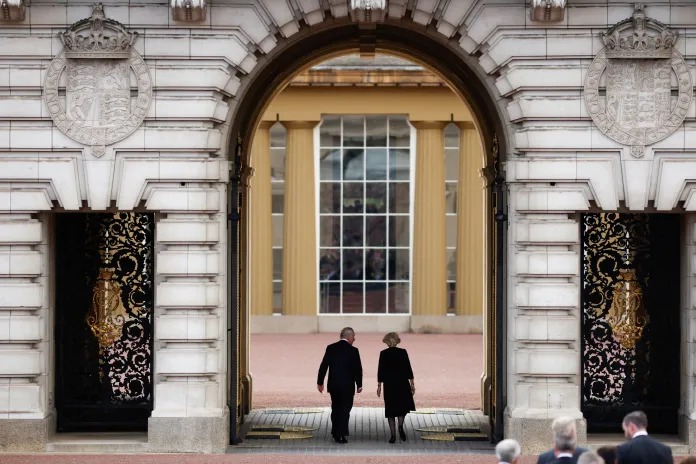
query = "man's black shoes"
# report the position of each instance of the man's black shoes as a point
(343, 440)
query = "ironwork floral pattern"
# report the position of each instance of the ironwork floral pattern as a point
(122, 242)
(610, 372)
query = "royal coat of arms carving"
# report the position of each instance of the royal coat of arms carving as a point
(97, 68)
(638, 63)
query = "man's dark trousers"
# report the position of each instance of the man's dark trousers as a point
(341, 404)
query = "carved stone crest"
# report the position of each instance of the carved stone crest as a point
(96, 68)
(639, 59)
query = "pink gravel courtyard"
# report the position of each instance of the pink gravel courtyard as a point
(447, 369)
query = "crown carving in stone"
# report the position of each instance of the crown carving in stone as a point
(98, 37)
(639, 37)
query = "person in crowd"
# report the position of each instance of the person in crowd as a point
(395, 374)
(508, 451)
(688, 460)
(608, 453)
(640, 448)
(590, 457)
(342, 360)
(565, 439)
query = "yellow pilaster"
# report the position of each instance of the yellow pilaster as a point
(429, 247)
(299, 226)
(260, 226)
(470, 224)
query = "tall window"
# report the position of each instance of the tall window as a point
(364, 215)
(277, 207)
(451, 179)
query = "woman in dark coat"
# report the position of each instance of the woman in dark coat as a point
(394, 371)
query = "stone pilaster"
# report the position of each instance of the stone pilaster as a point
(471, 242)
(688, 319)
(543, 341)
(299, 226)
(429, 246)
(190, 414)
(25, 333)
(260, 225)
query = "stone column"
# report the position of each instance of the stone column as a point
(299, 226)
(260, 226)
(471, 243)
(429, 247)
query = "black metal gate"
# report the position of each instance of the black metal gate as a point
(618, 379)
(104, 305)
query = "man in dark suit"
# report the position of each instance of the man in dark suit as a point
(565, 439)
(342, 360)
(640, 448)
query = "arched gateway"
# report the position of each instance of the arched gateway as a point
(125, 135)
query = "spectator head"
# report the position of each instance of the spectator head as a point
(608, 453)
(635, 421)
(565, 435)
(590, 457)
(508, 450)
(348, 334)
(391, 339)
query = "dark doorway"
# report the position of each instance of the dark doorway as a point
(618, 377)
(104, 306)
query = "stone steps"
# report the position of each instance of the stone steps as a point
(110, 442)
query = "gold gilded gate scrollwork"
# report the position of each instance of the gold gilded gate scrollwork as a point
(627, 317)
(107, 314)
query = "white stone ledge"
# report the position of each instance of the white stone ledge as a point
(187, 232)
(247, 18)
(19, 198)
(547, 396)
(546, 296)
(133, 175)
(20, 296)
(552, 199)
(547, 263)
(551, 233)
(188, 399)
(546, 329)
(486, 19)
(20, 263)
(171, 199)
(547, 363)
(176, 294)
(20, 328)
(186, 75)
(187, 361)
(182, 107)
(16, 362)
(188, 328)
(601, 173)
(189, 263)
(543, 75)
(19, 231)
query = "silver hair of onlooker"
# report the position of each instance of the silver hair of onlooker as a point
(347, 331)
(590, 457)
(565, 435)
(508, 450)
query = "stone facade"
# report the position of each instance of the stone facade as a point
(557, 163)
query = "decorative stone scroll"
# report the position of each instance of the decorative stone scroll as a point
(188, 10)
(368, 11)
(547, 10)
(96, 67)
(638, 108)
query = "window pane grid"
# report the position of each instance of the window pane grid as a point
(369, 173)
(451, 198)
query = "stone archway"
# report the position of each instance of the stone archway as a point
(273, 71)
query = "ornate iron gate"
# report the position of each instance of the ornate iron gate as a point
(104, 301)
(626, 367)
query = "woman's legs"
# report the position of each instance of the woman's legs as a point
(392, 429)
(402, 434)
